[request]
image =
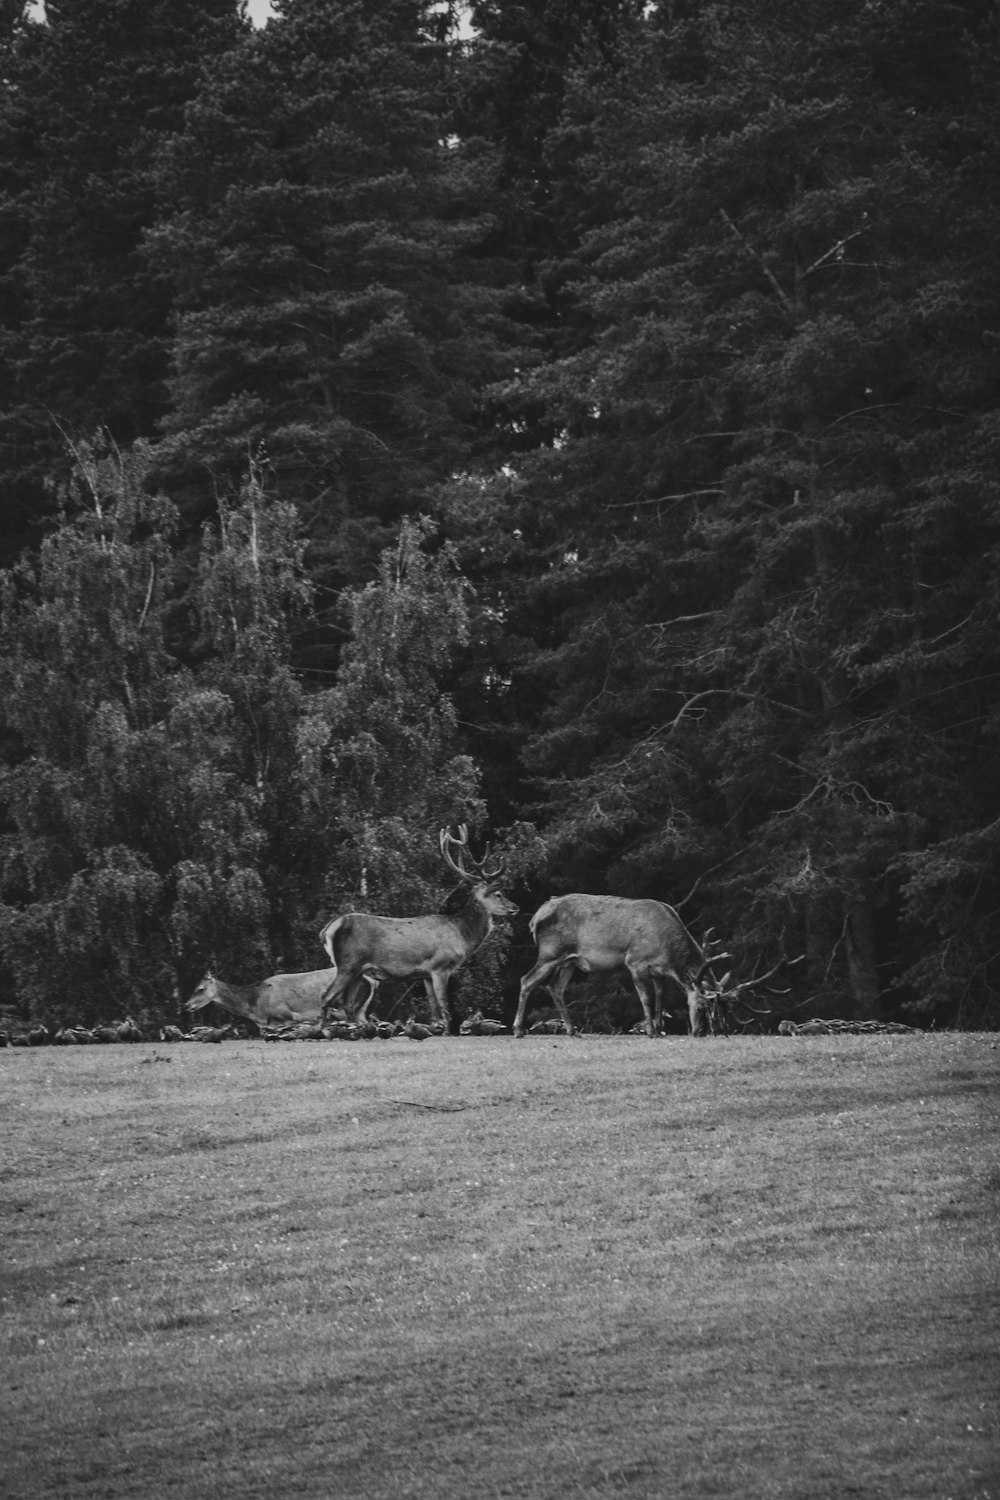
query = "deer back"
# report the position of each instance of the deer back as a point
(605, 932)
(397, 946)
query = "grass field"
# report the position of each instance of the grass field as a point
(745, 1267)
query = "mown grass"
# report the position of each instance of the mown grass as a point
(749, 1267)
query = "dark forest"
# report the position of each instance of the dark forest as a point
(577, 421)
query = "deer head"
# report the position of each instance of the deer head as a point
(731, 999)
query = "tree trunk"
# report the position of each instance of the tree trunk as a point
(859, 939)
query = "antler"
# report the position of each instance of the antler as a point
(467, 868)
(711, 954)
(734, 995)
(445, 839)
(758, 979)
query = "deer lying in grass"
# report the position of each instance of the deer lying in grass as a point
(281, 999)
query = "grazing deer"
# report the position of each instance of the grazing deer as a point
(602, 933)
(432, 948)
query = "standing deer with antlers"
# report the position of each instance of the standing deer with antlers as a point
(432, 948)
(603, 933)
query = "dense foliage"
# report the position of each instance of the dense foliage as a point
(682, 322)
(173, 797)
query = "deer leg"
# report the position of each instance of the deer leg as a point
(433, 1011)
(658, 986)
(555, 974)
(373, 985)
(437, 993)
(557, 989)
(646, 990)
(535, 976)
(539, 974)
(338, 995)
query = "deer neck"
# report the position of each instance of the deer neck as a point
(474, 921)
(235, 999)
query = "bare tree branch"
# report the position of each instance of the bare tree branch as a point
(779, 290)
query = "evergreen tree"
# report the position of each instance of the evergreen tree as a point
(760, 543)
(87, 98)
(316, 222)
(514, 92)
(513, 88)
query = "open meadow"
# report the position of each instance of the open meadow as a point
(474, 1267)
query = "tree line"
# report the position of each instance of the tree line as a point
(585, 428)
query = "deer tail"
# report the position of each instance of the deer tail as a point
(328, 938)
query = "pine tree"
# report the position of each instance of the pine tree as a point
(317, 219)
(87, 98)
(763, 529)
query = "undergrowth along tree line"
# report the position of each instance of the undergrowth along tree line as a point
(679, 323)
